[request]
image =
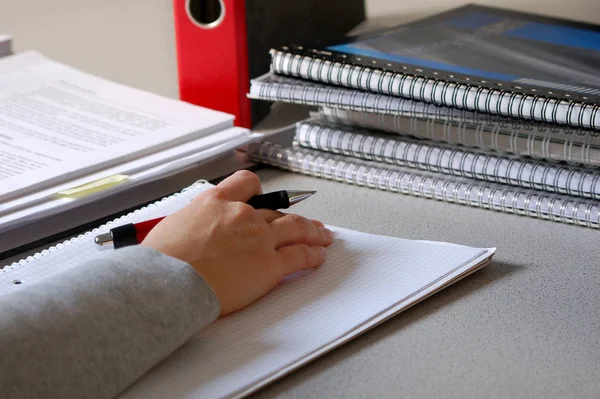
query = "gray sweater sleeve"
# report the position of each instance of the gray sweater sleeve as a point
(93, 330)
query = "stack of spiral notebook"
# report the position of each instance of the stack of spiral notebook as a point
(478, 106)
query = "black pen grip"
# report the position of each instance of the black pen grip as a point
(275, 200)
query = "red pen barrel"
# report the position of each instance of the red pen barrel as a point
(132, 234)
(143, 228)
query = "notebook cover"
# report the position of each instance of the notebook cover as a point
(483, 46)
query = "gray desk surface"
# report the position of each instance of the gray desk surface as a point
(527, 325)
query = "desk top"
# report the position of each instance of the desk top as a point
(527, 325)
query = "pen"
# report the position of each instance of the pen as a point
(134, 233)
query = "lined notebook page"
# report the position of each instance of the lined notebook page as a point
(365, 279)
(82, 248)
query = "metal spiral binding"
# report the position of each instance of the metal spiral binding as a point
(449, 160)
(444, 93)
(401, 180)
(285, 89)
(60, 245)
(576, 149)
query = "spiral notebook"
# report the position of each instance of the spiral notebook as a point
(573, 149)
(453, 189)
(82, 247)
(474, 57)
(453, 160)
(361, 285)
(414, 118)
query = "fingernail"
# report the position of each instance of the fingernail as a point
(328, 234)
(317, 223)
(322, 252)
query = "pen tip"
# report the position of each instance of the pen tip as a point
(298, 196)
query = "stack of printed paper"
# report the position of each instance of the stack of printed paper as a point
(67, 137)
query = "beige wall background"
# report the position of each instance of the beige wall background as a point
(132, 41)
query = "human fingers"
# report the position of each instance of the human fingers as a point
(269, 215)
(294, 229)
(294, 258)
(240, 186)
(317, 223)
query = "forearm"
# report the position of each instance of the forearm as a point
(95, 329)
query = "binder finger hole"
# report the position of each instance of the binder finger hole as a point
(17, 282)
(206, 14)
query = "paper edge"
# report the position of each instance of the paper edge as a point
(477, 263)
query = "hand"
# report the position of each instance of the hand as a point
(241, 252)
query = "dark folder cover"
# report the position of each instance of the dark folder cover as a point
(488, 47)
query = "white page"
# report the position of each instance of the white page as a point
(366, 279)
(202, 150)
(57, 123)
(56, 259)
(49, 220)
(136, 166)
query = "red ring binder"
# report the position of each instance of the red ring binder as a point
(222, 44)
